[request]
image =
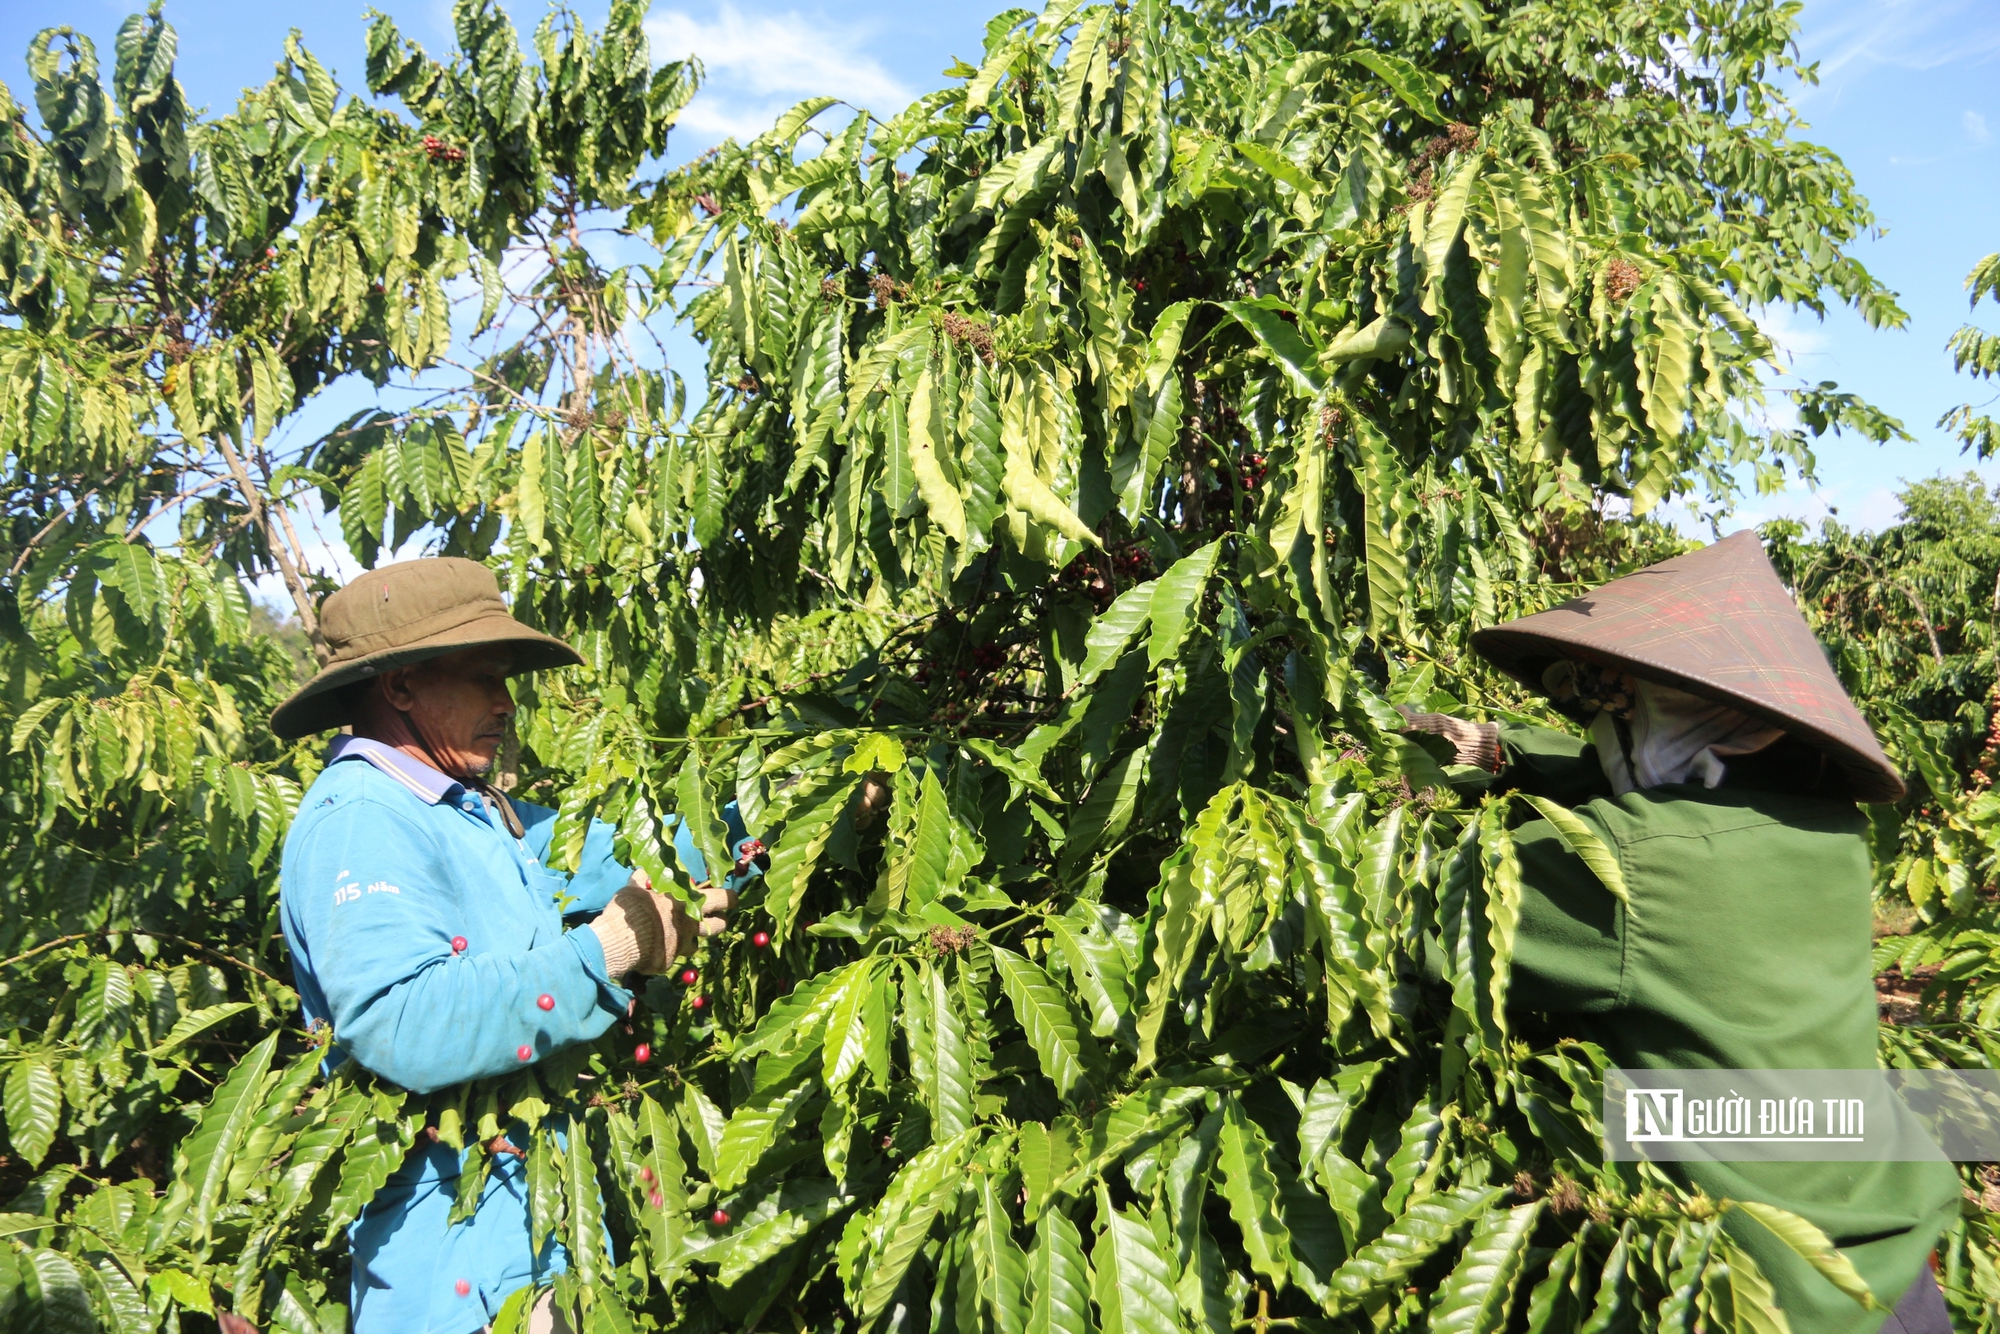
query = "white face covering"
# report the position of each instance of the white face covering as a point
(1676, 738)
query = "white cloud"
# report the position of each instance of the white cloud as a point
(1798, 335)
(1870, 510)
(760, 64)
(1911, 34)
(1975, 128)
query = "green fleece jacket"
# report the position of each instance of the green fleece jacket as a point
(1747, 948)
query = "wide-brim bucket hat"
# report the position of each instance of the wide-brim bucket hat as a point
(1717, 623)
(403, 614)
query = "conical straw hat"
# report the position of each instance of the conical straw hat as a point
(1718, 623)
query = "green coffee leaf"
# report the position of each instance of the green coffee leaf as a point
(754, 1127)
(1430, 1225)
(897, 1227)
(210, 1149)
(1577, 836)
(33, 1107)
(1815, 1248)
(1251, 1187)
(1479, 1293)
(1066, 1053)
(1058, 1278)
(191, 1026)
(1134, 1276)
(998, 1263)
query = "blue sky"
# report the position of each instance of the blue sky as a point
(1909, 95)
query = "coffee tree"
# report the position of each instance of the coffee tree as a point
(1087, 460)
(176, 289)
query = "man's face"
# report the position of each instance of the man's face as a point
(458, 705)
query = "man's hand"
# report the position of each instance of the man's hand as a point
(645, 932)
(716, 904)
(1476, 744)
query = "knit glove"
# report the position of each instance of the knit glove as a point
(645, 932)
(1476, 744)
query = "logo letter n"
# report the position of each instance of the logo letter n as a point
(1652, 1114)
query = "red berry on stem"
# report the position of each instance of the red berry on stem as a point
(646, 1175)
(720, 1218)
(642, 1053)
(657, 1199)
(761, 939)
(546, 1001)
(699, 1002)
(462, 1288)
(688, 976)
(525, 1052)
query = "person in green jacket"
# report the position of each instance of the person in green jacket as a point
(1722, 765)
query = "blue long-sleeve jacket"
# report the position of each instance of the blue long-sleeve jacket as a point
(427, 936)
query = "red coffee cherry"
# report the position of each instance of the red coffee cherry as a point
(657, 1200)
(719, 1218)
(699, 1002)
(546, 1001)
(688, 975)
(761, 939)
(642, 1053)
(646, 1175)
(525, 1052)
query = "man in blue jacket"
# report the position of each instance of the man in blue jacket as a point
(427, 927)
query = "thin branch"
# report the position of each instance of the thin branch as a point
(298, 547)
(139, 529)
(21, 561)
(1924, 615)
(253, 500)
(141, 931)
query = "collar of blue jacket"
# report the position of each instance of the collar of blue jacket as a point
(429, 784)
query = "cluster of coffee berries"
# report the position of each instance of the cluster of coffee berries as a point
(1088, 577)
(1621, 278)
(946, 940)
(1133, 562)
(440, 151)
(1251, 471)
(887, 291)
(1457, 138)
(964, 332)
